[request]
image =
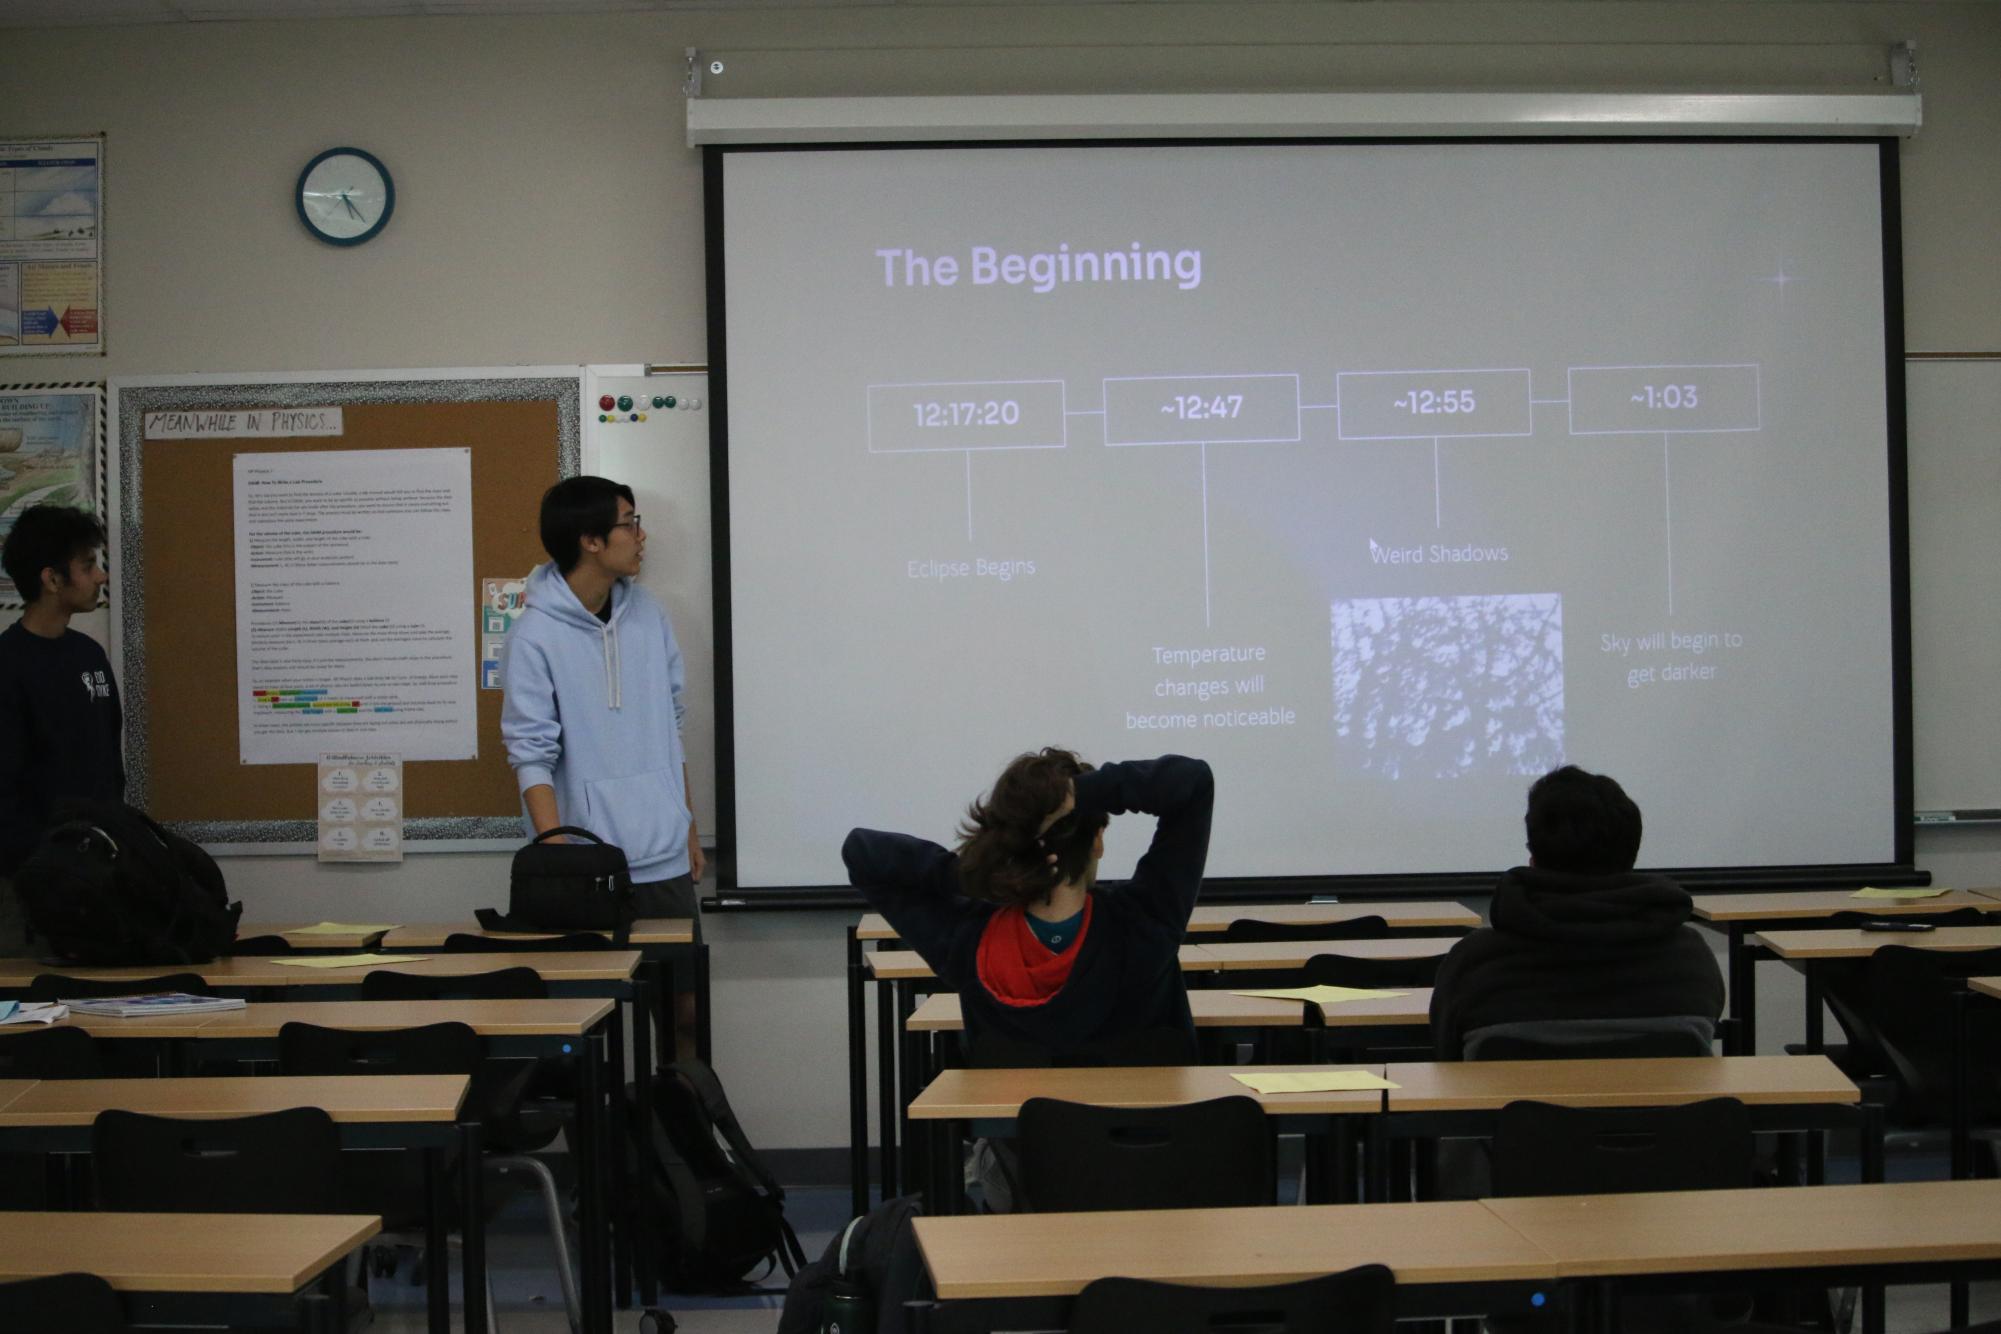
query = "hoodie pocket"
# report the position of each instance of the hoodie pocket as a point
(645, 814)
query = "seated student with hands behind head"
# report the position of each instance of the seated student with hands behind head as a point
(1039, 953)
(1581, 947)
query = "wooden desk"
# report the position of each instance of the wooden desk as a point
(235, 1269)
(966, 1095)
(1411, 1010)
(1438, 1086)
(1740, 916)
(1057, 1255)
(373, 1101)
(1211, 918)
(909, 965)
(319, 941)
(1855, 943)
(1245, 956)
(940, 1012)
(1914, 1224)
(646, 931)
(556, 1017)
(12, 1089)
(240, 973)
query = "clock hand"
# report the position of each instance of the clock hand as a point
(350, 204)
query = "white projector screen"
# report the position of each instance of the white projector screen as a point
(1385, 477)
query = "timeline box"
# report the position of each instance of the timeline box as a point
(953, 416)
(1429, 405)
(1648, 400)
(1201, 409)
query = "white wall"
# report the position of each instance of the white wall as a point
(548, 212)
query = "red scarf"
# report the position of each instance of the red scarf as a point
(1016, 968)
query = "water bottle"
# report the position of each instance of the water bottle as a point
(848, 1309)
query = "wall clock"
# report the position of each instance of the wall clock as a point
(345, 196)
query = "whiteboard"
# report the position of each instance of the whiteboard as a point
(1955, 481)
(665, 460)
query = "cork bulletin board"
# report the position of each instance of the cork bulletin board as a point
(174, 604)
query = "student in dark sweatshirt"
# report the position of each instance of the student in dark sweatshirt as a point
(1015, 920)
(1580, 944)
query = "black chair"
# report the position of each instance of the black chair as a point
(72, 1303)
(49, 1053)
(1845, 989)
(384, 1184)
(1340, 970)
(1626, 1046)
(56, 986)
(1076, 1157)
(1148, 1046)
(1911, 1004)
(259, 947)
(500, 984)
(1541, 1149)
(279, 1162)
(1356, 1301)
(461, 942)
(1355, 928)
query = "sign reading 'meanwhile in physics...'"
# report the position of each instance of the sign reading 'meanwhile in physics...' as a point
(242, 423)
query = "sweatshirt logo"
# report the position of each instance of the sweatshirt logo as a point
(96, 685)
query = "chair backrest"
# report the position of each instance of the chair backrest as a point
(1339, 970)
(254, 947)
(1213, 1154)
(73, 1303)
(1373, 927)
(56, 986)
(462, 942)
(1355, 1301)
(1146, 1046)
(432, 1049)
(1957, 917)
(1593, 1043)
(276, 1163)
(49, 1053)
(500, 984)
(1542, 1149)
(1911, 1004)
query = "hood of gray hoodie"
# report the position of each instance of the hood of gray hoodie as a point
(549, 592)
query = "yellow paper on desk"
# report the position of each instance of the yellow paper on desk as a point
(1316, 1081)
(339, 929)
(349, 960)
(1323, 994)
(1871, 892)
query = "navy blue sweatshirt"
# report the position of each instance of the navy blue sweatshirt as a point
(59, 732)
(1127, 975)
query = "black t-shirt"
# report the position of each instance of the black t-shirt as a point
(59, 732)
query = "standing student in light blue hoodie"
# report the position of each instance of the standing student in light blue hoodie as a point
(593, 703)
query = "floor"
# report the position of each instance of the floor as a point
(529, 1301)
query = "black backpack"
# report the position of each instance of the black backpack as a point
(712, 1203)
(875, 1254)
(106, 885)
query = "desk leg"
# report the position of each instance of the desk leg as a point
(594, 1269)
(906, 1077)
(1869, 1142)
(472, 1236)
(886, 1109)
(1378, 1165)
(643, 1243)
(1816, 1035)
(316, 1314)
(704, 1038)
(618, 1199)
(663, 1011)
(857, 1082)
(1743, 991)
(437, 1259)
(1962, 1134)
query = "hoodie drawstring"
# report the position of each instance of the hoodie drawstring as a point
(608, 632)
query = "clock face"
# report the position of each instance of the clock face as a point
(345, 196)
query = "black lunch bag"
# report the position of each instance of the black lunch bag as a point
(567, 887)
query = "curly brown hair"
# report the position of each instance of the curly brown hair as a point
(1004, 852)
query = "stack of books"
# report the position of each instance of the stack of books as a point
(158, 1002)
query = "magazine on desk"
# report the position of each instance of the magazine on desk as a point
(157, 1002)
(32, 1012)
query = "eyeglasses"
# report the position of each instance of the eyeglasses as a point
(629, 521)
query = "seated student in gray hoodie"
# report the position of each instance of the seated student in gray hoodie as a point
(1580, 944)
